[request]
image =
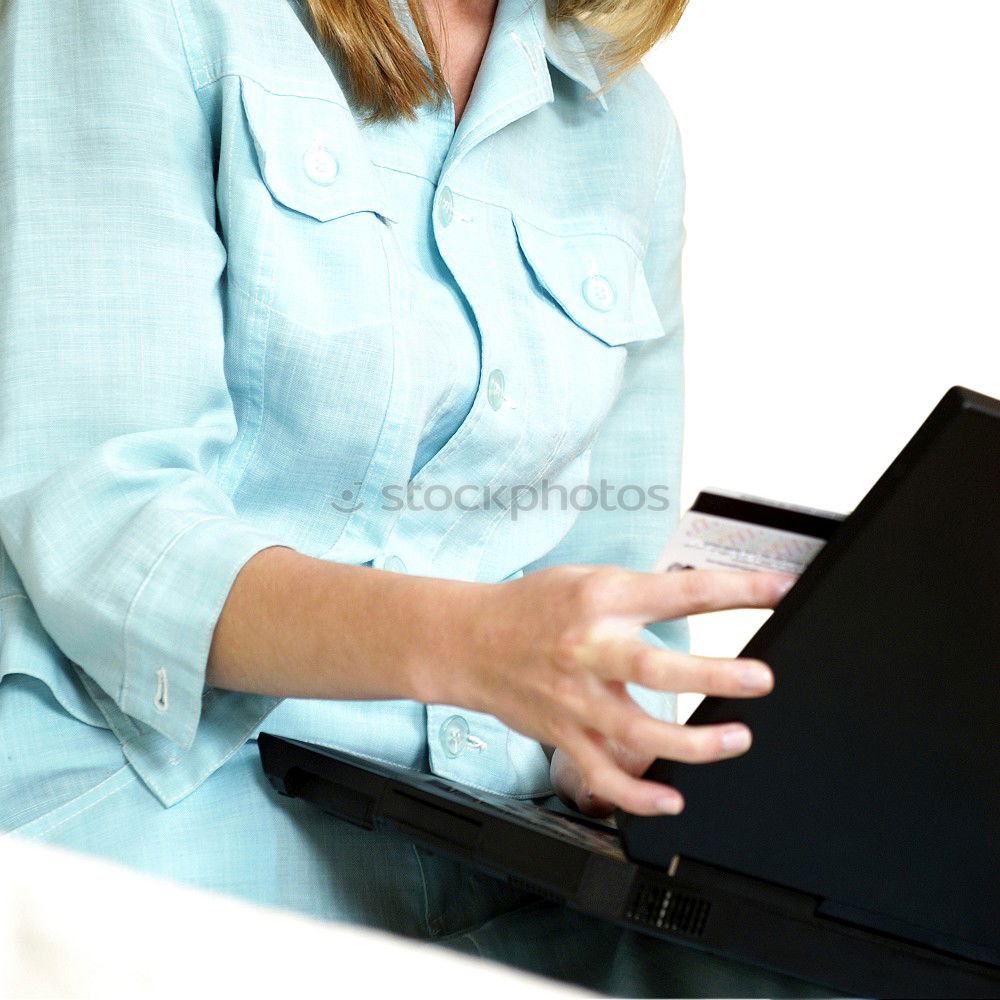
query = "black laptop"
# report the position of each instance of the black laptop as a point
(856, 843)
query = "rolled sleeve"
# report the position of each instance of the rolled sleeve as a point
(165, 655)
(117, 417)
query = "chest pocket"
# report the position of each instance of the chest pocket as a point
(597, 279)
(310, 155)
(312, 323)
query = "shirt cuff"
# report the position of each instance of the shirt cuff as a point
(170, 623)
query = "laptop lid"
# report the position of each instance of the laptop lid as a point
(872, 782)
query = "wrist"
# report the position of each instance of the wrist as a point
(442, 643)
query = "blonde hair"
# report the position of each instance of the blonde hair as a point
(388, 80)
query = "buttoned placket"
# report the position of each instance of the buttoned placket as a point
(513, 81)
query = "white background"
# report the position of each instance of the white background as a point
(843, 240)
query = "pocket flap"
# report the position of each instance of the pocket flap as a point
(310, 154)
(596, 278)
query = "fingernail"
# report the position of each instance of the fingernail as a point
(786, 586)
(755, 677)
(736, 739)
(668, 804)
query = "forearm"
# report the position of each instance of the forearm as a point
(296, 626)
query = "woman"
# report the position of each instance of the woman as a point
(341, 388)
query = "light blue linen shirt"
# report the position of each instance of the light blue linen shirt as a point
(233, 316)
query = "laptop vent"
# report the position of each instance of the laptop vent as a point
(665, 909)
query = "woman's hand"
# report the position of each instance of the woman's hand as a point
(550, 654)
(572, 789)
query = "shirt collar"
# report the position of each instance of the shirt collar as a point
(561, 43)
(564, 47)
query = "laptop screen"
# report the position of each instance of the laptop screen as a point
(872, 781)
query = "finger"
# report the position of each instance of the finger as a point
(566, 778)
(609, 710)
(662, 596)
(593, 805)
(632, 763)
(608, 782)
(642, 663)
(622, 721)
(571, 789)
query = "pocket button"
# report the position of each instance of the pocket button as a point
(446, 207)
(320, 165)
(599, 292)
(495, 388)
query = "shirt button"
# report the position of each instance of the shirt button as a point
(599, 292)
(454, 735)
(320, 165)
(494, 388)
(446, 206)
(395, 564)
